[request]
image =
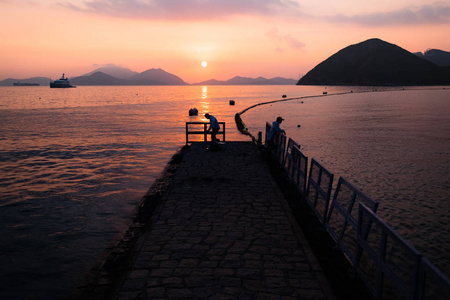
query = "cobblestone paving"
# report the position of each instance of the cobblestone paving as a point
(224, 231)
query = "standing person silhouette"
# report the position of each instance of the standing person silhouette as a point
(214, 126)
(274, 131)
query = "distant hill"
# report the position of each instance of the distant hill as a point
(376, 62)
(40, 80)
(149, 77)
(439, 57)
(114, 71)
(283, 81)
(97, 78)
(249, 81)
(155, 77)
(210, 82)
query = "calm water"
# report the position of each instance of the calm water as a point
(393, 145)
(75, 162)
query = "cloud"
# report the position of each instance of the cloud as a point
(293, 42)
(186, 10)
(109, 65)
(275, 35)
(437, 13)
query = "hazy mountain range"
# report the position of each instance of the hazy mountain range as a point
(372, 62)
(149, 77)
(378, 63)
(113, 75)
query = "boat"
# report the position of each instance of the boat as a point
(18, 83)
(63, 82)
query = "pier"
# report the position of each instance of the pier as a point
(222, 229)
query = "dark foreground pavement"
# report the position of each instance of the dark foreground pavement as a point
(222, 230)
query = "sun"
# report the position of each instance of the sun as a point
(204, 64)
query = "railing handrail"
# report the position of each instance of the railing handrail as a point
(203, 132)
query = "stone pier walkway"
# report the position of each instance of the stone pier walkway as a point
(224, 231)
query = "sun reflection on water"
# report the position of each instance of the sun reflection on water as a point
(204, 92)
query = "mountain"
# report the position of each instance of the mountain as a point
(439, 57)
(155, 77)
(237, 80)
(210, 82)
(283, 81)
(97, 78)
(114, 71)
(40, 80)
(376, 62)
(149, 77)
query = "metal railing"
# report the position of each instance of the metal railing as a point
(432, 284)
(342, 218)
(388, 265)
(200, 129)
(318, 191)
(296, 165)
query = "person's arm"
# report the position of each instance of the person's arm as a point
(281, 130)
(276, 126)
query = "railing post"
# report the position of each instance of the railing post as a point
(187, 135)
(203, 132)
(224, 131)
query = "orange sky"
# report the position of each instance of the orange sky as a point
(248, 38)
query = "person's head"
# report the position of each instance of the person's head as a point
(279, 120)
(207, 115)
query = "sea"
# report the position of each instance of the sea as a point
(74, 163)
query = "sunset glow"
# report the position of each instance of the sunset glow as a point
(249, 38)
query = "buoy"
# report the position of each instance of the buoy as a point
(284, 96)
(193, 112)
(231, 102)
(298, 126)
(325, 93)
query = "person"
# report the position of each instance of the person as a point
(274, 131)
(214, 126)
